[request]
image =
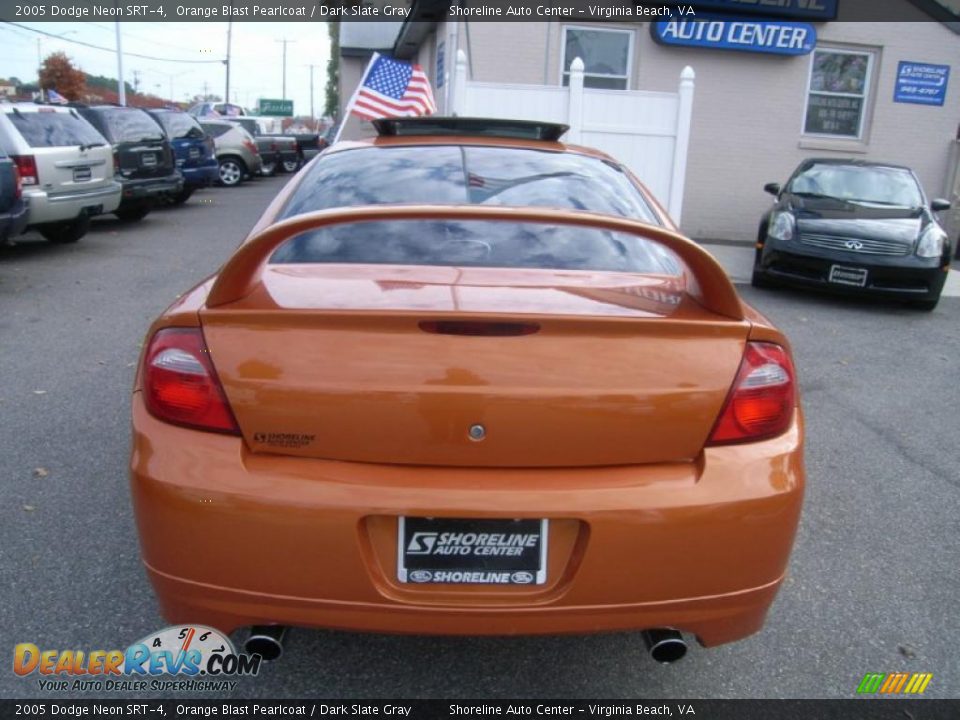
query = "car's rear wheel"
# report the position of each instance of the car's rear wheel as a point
(66, 232)
(291, 166)
(268, 169)
(232, 171)
(133, 213)
(181, 197)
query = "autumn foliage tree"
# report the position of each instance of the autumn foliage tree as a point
(59, 74)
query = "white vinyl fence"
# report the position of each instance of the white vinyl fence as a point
(647, 131)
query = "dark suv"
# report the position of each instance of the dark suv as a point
(142, 157)
(13, 209)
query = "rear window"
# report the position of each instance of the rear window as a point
(179, 125)
(456, 175)
(54, 129)
(131, 125)
(478, 243)
(215, 129)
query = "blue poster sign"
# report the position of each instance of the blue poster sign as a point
(921, 83)
(782, 37)
(801, 9)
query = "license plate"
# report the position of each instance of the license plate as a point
(841, 275)
(81, 174)
(472, 551)
(148, 159)
(194, 153)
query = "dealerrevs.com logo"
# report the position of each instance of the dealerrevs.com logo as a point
(200, 657)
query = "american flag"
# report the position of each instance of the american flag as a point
(392, 88)
(55, 97)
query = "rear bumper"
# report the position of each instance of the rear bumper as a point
(13, 221)
(903, 277)
(199, 176)
(150, 188)
(46, 208)
(231, 539)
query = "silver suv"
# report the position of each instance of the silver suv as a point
(236, 151)
(65, 165)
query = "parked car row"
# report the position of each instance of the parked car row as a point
(61, 165)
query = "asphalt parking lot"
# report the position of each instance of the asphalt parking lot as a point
(873, 585)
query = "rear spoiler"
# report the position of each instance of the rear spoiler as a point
(709, 284)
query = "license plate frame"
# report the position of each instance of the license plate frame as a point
(194, 153)
(148, 159)
(82, 174)
(502, 551)
(849, 276)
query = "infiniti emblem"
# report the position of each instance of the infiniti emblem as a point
(477, 432)
(853, 245)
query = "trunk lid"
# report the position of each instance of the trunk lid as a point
(335, 361)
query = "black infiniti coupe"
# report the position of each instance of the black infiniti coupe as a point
(854, 226)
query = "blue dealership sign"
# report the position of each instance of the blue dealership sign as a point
(921, 83)
(781, 37)
(801, 9)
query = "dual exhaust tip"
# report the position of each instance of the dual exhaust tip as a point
(266, 641)
(665, 645)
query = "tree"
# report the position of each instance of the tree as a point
(59, 74)
(332, 105)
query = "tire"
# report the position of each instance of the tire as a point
(66, 232)
(925, 305)
(759, 279)
(291, 166)
(133, 213)
(232, 171)
(181, 197)
(268, 169)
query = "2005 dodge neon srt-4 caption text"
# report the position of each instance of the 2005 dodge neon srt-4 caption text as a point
(480, 338)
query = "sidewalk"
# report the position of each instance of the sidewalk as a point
(737, 260)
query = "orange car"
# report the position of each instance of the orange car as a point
(466, 379)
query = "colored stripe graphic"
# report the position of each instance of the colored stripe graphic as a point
(894, 683)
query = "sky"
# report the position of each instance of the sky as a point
(256, 56)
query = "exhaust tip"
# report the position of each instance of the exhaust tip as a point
(665, 645)
(266, 641)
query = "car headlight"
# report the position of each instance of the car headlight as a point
(781, 226)
(932, 242)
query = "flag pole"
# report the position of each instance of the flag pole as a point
(353, 98)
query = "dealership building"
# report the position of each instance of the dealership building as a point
(804, 78)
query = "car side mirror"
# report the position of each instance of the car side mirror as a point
(772, 188)
(940, 205)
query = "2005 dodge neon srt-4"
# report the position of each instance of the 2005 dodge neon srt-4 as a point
(463, 378)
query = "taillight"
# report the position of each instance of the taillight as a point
(763, 397)
(27, 167)
(17, 184)
(180, 385)
(116, 162)
(252, 147)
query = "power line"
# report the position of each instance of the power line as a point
(113, 50)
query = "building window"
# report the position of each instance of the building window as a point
(838, 93)
(606, 56)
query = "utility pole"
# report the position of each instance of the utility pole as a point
(39, 68)
(226, 95)
(136, 82)
(121, 89)
(285, 41)
(312, 116)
